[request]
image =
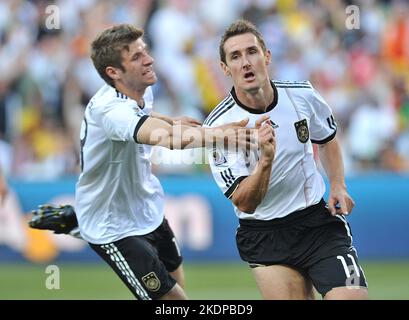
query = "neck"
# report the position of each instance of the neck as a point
(135, 94)
(258, 99)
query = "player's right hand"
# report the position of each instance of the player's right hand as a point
(266, 139)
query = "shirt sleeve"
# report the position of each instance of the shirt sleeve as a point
(228, 169)
(322, 123)
(122, 121)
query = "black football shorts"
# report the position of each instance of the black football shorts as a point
(310, 240)
(143, 262)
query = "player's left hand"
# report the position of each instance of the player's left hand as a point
(187, 121)
(340, 202)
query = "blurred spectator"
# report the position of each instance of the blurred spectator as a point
(3, 188)
(47, 75)
(368, 134)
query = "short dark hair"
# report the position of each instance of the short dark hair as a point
(106, 49)
(236, 28)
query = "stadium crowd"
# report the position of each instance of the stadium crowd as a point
(47, 77)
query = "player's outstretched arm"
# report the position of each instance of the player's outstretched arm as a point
(187, 121)
(158, 132)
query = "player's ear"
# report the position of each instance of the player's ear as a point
(268, 57)
(225, 69)
(113, 73)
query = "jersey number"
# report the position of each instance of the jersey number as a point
(347, 268)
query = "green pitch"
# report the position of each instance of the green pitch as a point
(387, 280)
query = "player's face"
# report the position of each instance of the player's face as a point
(246, 62)
(138, 64)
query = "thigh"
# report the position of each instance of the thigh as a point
(268, 252)
(347, 293)
(168, 249)
(138, 265)
(179, 276)
(280, 282)
(338, 271)
(333, 262)
(264, 247)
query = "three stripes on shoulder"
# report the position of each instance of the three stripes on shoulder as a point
(292, 84)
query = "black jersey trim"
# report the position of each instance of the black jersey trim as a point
(234, 186)
(332, 136)
(221, 112)
(255, 111)
(227, 176)
(120, 95)
(217, 108)
(223, 109)
(223, 177)
(331, 122)
(292, 82)
(290, 86)
(138, 126)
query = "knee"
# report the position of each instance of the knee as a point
(176, 293)
(345, 293)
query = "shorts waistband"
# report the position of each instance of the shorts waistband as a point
(278, 222)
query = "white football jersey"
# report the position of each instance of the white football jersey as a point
(300, 117)
(116, 194)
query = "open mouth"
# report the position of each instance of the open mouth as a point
(249, 75)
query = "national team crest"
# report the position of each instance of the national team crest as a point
(301, 127)
(151, 281)
(218, 157)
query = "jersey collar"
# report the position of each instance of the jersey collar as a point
(119, 94)
(269, 108)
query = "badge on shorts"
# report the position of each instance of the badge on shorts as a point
(218, 157)
(303, 133)
(151, 281)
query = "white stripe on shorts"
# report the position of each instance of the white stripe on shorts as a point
(117, 257)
